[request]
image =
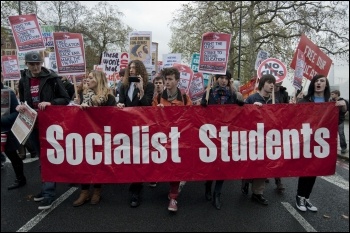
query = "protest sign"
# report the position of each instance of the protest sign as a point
(262, 55)
(112, 63)
(5, 102)
(26, 31)
(272, 66)
(70, 55)
(140, 47)
(196, 90)
(189, 143)
(47, 32)
(10, 67)
(170, 59)
(299, 70)
(316, 61)
(214, 53)
(186, 75)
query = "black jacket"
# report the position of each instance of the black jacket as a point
(145, 101)
(7, 121)
(51, 88)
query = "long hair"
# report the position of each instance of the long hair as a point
(311, 90)
(140, 70)
(102, 90)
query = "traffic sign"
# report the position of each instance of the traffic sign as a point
(272, 66)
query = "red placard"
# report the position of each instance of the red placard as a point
(316, 61)
(112, 145)
(27, 32)
(214, 53)
(70, 54)
(272, 66)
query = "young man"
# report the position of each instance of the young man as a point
(172, 96)
(343, 106)
(40, 88)
(158, 82)
(263, 96)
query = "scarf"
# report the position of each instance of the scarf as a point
(91, 99)
(221, 94)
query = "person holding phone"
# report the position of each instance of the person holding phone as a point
(136, 91)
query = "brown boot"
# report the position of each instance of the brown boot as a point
(84, 197)
(96, 196)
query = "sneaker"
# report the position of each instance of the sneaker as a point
(300, 203)
(343, 151)
(309, 206)
(152, 184)
(46, 204)
(181, 186)
(135, 200)
(245, 187)
(260, 198)
(38, 197)
(172, 205)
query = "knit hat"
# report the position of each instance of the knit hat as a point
(228, 75)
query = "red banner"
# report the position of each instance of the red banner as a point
(111, 145)
(317, 62)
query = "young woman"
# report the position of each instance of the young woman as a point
(95, 94)
(318, 92)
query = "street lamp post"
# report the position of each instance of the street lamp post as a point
(239, 43)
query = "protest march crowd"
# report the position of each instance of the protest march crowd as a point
(40, 87)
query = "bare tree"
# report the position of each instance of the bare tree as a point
(272, 26)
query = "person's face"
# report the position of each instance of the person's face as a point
(159, 85)
(334, 96)
(320, 85)
(34, 67)
(132, 69)
(91, 81)
(170, 82)
(268, 87)
(277, 87)
(223, 81)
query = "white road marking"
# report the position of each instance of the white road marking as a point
(307, 226)
(34, 221)
(337, 180)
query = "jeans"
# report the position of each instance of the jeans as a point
(343, 144)
(48, 189)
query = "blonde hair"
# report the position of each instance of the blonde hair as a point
(102, 90)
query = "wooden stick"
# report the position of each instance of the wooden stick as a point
(208, 88)
(273, 94)
(75, 87)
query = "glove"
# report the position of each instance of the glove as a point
(204, 103)
(240, 102)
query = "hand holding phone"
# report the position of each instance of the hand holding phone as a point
(134, 79)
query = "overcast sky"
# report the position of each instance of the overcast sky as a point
(156, 16)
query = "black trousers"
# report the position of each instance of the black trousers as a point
(305, 185)
(16, 162)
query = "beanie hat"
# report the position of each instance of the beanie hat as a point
(228, 75)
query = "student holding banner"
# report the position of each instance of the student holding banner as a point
(133, 94)
(96, 94)
(220, 93)
(171, 96)
(40, 88)
(263, 96)
(318, 92)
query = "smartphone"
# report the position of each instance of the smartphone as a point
(134, 79)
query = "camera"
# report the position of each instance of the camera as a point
(134, 79)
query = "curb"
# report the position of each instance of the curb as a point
(344, 156)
